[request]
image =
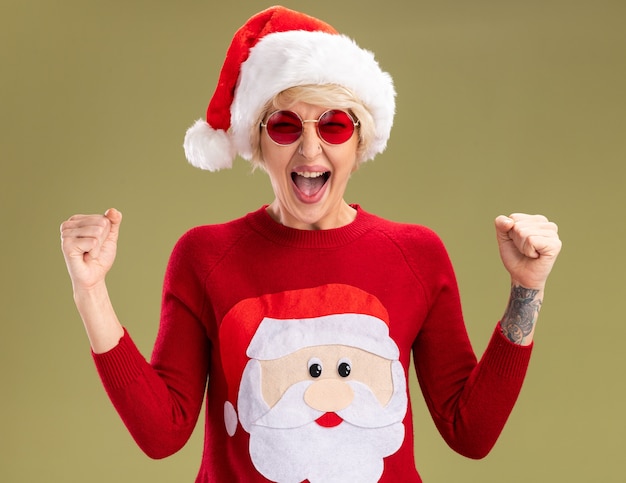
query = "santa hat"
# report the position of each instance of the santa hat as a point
(275, 325)
(274, 50)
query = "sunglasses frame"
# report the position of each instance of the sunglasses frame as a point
(355, 124)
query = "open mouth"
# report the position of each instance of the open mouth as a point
(310, 183)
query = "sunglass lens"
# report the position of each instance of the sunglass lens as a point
(284, 127)
(335, 127)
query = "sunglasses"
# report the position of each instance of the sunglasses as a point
(333, 126)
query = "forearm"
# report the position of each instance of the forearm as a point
(103, 328)
(520, 317)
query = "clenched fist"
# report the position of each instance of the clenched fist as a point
(529, 245)
(89, 244)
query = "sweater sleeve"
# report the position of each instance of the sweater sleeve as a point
(469, 400)
(159, 401)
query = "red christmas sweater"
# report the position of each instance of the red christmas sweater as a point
(301, 341)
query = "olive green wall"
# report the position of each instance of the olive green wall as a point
(502, 106)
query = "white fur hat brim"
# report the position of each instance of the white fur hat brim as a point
(290, 335)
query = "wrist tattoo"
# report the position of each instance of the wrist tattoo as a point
(521, 314)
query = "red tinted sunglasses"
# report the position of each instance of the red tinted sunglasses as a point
(333, 126)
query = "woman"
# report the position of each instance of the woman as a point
(303, 315)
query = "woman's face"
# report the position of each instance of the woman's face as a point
(309, 177)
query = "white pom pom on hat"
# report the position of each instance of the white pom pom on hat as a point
(274, 50)
(208, 148)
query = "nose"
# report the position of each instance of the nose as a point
(310, 142)
(329, 395)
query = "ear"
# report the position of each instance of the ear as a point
(259, 163)
(357, 163)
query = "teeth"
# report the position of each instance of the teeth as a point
(307, 174)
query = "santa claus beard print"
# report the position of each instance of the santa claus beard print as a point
(288, 444)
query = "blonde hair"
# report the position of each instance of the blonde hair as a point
(328, 95)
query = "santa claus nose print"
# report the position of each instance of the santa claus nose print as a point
(321, 398)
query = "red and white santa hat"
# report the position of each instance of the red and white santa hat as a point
(274, 50)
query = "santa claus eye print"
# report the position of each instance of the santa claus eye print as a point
(344, 367)
(315, 367)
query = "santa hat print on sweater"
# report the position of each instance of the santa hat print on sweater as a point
(274, 50)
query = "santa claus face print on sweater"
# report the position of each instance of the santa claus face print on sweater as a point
(322, 397)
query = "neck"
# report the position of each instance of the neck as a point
(343, 216)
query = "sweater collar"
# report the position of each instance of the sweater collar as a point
(262, 223)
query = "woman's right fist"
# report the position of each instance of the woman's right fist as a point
(89, 244)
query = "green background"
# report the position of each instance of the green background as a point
(503, 106)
